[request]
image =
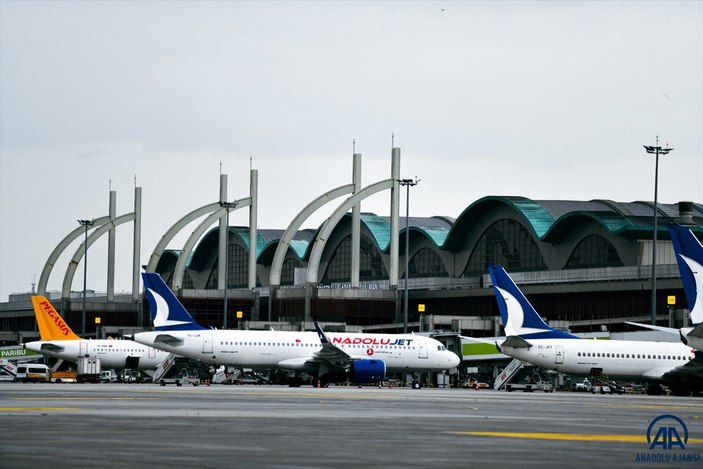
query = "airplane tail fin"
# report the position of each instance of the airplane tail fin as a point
(51, 325)
(519, 317)
(167, 313)
(689, 256)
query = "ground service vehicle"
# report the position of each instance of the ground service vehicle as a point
(108, 376)
(186, 376)
(64, 376)
(533, 383)
(34, 373)
(584, 386)
(89, 369)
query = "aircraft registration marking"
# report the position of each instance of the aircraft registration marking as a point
(568, 437)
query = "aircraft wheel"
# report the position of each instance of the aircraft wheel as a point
(416, 385)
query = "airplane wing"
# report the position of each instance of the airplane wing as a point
(694, 338)
(330, 353)
(692, 370)
(670, 330)
(696, 332)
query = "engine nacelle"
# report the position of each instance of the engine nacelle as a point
(367, 371)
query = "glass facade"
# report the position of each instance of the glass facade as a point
(370, 263)
(238, 269)
(426, 263)
(594, 251)
(508, 243)
(288, 271)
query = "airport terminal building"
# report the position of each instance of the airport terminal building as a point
(585, 265)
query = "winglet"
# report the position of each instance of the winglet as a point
(519, 317)
(689, 256)
(51, 325)
(167, 313)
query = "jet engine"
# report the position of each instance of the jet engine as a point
(367, 371)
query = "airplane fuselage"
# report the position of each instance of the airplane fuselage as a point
(295, 350)
(117, 354)
(625, 359)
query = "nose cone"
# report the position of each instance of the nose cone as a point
(454, 360)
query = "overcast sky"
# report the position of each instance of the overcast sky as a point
(547, 100)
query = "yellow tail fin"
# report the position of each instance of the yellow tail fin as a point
(51, 324)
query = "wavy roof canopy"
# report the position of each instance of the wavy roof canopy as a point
(550, 221)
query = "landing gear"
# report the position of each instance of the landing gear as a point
(415, 384)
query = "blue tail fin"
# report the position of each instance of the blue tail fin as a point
(167, 313)
(689, 256)
(518, 315)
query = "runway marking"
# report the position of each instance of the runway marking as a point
(657, 406)
(15, 409)
(322, 396)
(87, 398)
(569, 437)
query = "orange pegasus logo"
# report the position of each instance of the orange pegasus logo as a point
(51, 325)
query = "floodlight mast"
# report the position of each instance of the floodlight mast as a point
(407, 183)
(227, 206)
(656, 150)
(86, 224)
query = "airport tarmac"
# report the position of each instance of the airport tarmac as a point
(145, 425)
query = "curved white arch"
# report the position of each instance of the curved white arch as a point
(174, 230)
(197, 233)
(97, 233)
(331, 223)
(284, 242)
(58, 250)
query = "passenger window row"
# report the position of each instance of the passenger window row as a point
(635, 356)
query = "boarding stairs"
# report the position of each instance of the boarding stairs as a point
(508, 373)
(8, 368)
(163, 369)
(222, 376)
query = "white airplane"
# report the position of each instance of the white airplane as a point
(362, 358)
(530, 339)
(689, 256)
(59, 341)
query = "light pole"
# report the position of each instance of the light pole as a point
(227, 206)
(407, 183)
(657, 150)
(86, 224)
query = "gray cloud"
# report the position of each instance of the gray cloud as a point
(542, 99)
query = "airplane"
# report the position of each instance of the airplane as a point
(362, 358)
(689, 257)
(530, 339)
(59, 341)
